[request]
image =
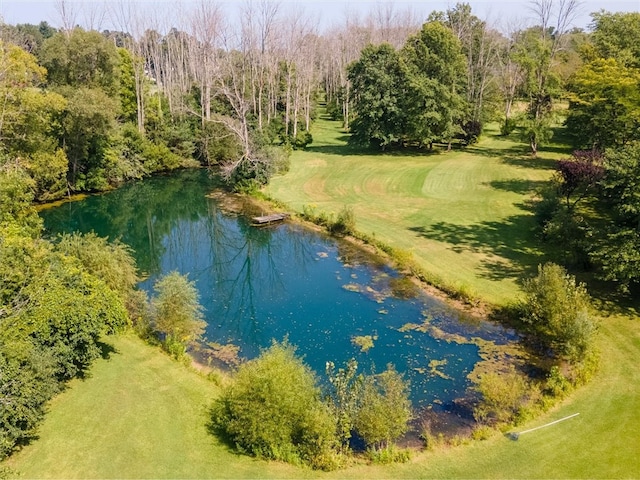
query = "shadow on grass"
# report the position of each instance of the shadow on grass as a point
(106, 350)
(497, 152)
(510, 244)
(346, 149)
(517, 185)
(222, 436)
(535, 163)
(611, 300)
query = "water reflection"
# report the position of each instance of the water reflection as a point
(259, 284)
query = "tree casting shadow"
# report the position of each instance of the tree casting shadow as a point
(517, 185)
(512, 240)
(347, 149)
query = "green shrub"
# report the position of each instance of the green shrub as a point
(385, 409)
(344, 398)
(557, 385)
(273, 409)
(177, 312)
(345, 223)
(321, 218)
(388, 455)
(508, 127)
(301, 140)
(557, 309)
(482, 432)
(430, 439)
(503, 395)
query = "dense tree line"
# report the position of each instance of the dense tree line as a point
(590, 213)
(157, 94)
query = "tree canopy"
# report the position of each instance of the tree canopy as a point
(414, 96)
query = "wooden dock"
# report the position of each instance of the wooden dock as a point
(269, 219)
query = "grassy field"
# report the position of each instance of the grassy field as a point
(465, 216)
(139, 415)
(142, 415)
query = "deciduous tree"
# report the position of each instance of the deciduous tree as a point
(604, 108)
(177, 312)
(385, 409)
(379, 97)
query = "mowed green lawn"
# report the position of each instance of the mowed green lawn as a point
(139, 415)
(465, 216)
(142, 415)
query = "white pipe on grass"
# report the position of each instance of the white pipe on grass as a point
(516, 435)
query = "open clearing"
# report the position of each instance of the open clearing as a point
(465, 216)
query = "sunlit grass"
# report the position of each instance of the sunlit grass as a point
(465, 215)
(142, 415)
(139, 415)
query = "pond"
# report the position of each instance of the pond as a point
(329, 299)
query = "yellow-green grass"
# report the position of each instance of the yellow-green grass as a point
(465, 215)
(142, 415)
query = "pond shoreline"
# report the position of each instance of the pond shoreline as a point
(446, 422)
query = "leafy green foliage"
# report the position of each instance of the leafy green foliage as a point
(536, 129)
(436, 72)
(535, 53)
(391, 454)
(503, 396)
(378, 86)
(217, 144)
(128, 100)
(27, 382)
(31, 122)
(81, 59)
(273, 409)
(16, 197)
(618, 251)
(604, 108)
(557, 309)
(411, 96)
(177, 312)
(52, 316)
(88, 123)
(385, 409)
(617, 35)
(112, 262)
(344, 398)
(131, 155)
(345, 222)
(68, 317)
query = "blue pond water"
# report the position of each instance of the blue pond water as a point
(261, 284)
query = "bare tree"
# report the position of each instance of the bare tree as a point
(206, 24)
(130, 20)
(510, 73)
(68, 13)
(563, 12)
(554, 17)
(94, 14)
(480, 46)
(259, 22)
